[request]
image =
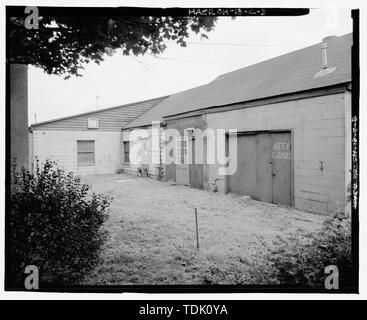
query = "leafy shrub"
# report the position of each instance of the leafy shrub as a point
(55, 224)
(303, 263)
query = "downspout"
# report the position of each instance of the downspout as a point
(31, 150)
(160, 175)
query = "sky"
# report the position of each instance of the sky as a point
(233, 44)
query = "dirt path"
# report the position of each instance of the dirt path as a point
(153, 241)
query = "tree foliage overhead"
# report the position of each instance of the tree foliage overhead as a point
(61, 45)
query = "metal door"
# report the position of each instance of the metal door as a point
(196, 169)
(182, 166)
(281, 168)
(263, 167)
(244, 180)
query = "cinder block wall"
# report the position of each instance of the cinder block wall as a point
(319, 133)
(61, 146)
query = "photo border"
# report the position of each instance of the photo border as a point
(137, 11)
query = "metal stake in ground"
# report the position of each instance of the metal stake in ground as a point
(197, 228)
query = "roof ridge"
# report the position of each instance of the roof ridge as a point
(94, 111)
(132, 120)
(277, 57)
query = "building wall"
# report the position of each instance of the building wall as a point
(319, 134)
(19, 114)
(152, 160)
(62, 147)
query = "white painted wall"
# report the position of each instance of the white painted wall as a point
(61, 146)
(152, 159)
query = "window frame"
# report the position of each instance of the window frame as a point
(85, 152)
(96, 121)
(126, 152)
(182, 149)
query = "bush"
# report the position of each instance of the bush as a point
(55, 224)
(303, 264)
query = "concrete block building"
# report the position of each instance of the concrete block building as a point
(88, 143)
(292, 115)
(285, 124)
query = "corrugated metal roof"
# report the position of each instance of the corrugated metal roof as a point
(110, 119)
(289, 73)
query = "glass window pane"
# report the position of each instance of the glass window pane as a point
(85, 146)
(126, 151)
(85, 152)
(85, 159)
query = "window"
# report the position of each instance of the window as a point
(92, 123)
(181, 150)
(86, 152)
(126, 151)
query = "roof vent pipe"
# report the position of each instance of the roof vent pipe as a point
(324, 55)
(324, 50)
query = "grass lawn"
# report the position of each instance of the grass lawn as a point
(153, 241)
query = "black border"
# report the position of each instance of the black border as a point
(151, 11)
(7, 160)
(131, 11)
(355, 165)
